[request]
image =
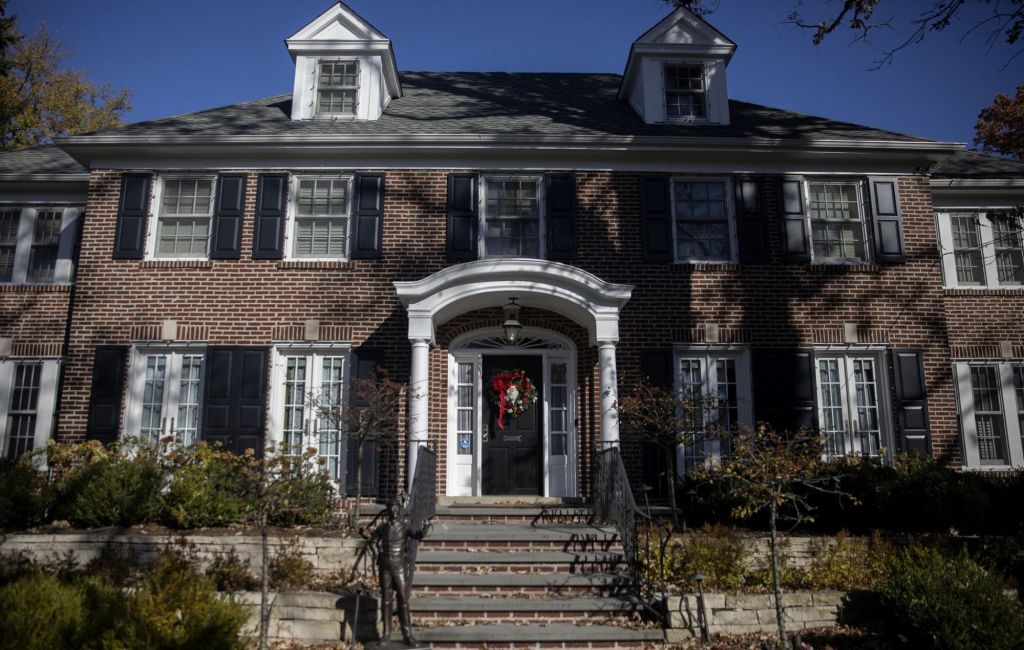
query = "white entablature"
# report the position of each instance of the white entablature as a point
(337, 56)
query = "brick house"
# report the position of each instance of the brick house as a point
(200, 276)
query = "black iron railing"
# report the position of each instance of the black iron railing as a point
(422, 503)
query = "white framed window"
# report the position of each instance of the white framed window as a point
(511, 216)
(36, 244)
(838, 226)
(319, 211)
(28, 393)
(184, 215)
(704, 221)
(337, 87)
(685, 91)
(164, 393)
(852, 403)
(990, 398)
(716, 381)
(305, 378)
(983, 249)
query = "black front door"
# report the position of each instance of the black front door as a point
(512, 455)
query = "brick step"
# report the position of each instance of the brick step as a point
(547, 514)
(539, 636)
(481, 610)
(546, 561)
(533, 585)
(521, 537)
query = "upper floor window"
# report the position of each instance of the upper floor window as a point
(320, 216)
(837, 221)
(511, 214)
(685, 91)
(991, 404)
(704, 227)
(164, 393)
(850, 411)
(185, 211)
(31, 244)
(981, 249)
(337, 87)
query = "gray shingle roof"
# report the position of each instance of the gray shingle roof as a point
(501, 103)
(971, 164)
(46, 159)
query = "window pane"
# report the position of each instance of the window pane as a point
(45, 241)
(559, 409)
(183, 197)
(988, 415)
(833, 422)
(837, 224)
(323, 197)
(183, 237)
(970, 268)
(1018, 392)
(9, 221)
(868, 431)
(151, 427)
(187, 422)
(702, 220)
(22, 411)
(295, 404)
(337, 87)
(684, 91)
(332, 381)
(726, 401)
(465, 408)
(1006, 233)
(512, 217)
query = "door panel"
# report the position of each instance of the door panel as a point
(512, 457)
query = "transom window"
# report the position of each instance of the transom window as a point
(981, 249)
(321, 217)
(685, 91)
(30, 244)
(183, 222)
(337, 87)
(849, 412)
(164, 396)
(837, 221)
(991, 405)
(703, 227)
(717, 386)
(512, 217)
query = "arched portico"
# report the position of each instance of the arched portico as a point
(576, 294)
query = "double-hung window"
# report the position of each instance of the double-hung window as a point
(685, 92)
(991, 403)
(838, 231)
(511, 215)
(164, 392)
(981, 249)
(704, 225)
(36, 244)
(715, 388)
(337, 88)
(28, 389)
(309, 395)
(851, 411)
(320, 211)
(185, 210)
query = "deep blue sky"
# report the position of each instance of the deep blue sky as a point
(188, 55)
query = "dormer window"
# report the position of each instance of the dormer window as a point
(685, 92)
(337, 87)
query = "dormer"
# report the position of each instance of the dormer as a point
(676, 72)
(344, 68)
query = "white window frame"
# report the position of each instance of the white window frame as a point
(46, 401)
(155, 206)
(293, 211)
(730, 207)
(708, 355)
(986, 235)
(315, 90)
(865, 215)
(174, 351)
(541, 212)
(26, 233)
(965, 411)
(685, 119)
(846, 356)
(314, 354)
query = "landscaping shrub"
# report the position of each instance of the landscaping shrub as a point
(116, 563)
(209, 487)
(847, 563)
(231, 573)
(113, 492)
(717, 552)
(289, 570)
(949, 603)
(37, 611)
(23, 494)
(303, 497)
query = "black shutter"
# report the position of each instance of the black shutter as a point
(751, 221)
(235, 397)
(784, 391)
(560, 202)
(133, 208)
(368, 217)
(227, 218)
(656, 364)
(911, 403)
(365, 361)
(656, 215)
(108, 379)
(462, 217)
(885, 210)
(268, 235)
(796, 245)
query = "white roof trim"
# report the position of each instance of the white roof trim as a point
(343, 13)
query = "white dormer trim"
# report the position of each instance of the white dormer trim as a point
(341, 34)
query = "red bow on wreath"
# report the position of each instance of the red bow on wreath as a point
(514, 394)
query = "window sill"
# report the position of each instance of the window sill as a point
(176, 264)
(315, 264)
(708, 265)
(35, 287)
(983, 291)
(843, 267)
(1001, 469)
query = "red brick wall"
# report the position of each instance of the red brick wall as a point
(243, 301)
(35, 317)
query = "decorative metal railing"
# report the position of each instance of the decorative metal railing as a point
(422, 503)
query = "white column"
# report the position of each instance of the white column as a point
(609, 394)
(419, 412)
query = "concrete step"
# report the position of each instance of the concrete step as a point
(553, 513)
(539, 636)
(520, 536)
(481, 610)
(534, 585)
(512, 561)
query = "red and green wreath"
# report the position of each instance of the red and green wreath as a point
(513, 393)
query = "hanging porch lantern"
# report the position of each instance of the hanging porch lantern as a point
(512, 326)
